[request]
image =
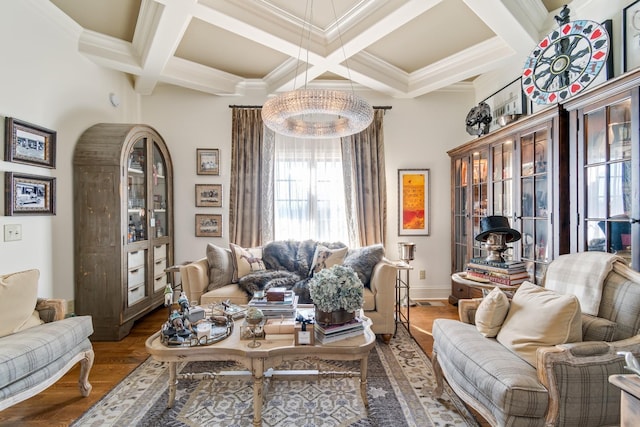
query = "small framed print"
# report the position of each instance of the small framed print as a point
(631, 36)
(208, 225)
(30, 144)
(413, 202)
(29, 194)
(209, 195)
(508, 100)
(208, 161)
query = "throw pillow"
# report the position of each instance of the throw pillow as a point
(246, 260)
(540, 317)
(363, 260)
(325, 258)
(18, 298)
(220, 266)
(491, 313)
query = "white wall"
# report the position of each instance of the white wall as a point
(43, 80)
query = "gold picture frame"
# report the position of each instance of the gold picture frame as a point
(209, 195)
(29, 144)
(29, 194)
(413, 202)
(208, 225)
(208, 161)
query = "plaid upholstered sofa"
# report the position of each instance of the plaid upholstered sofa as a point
(563, 385)
(44, 346)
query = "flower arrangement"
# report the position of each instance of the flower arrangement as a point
(337, 287)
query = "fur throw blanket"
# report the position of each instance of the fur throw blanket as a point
(287, 265)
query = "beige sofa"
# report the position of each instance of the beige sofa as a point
(562, 385)
(210, 280)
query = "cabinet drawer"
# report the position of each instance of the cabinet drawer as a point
(460, 291)
(159, 251)
(135, 295)
(135, 277)
(135, 259)
(160, 282)
(159, 266)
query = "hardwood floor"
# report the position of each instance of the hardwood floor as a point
(61, 404)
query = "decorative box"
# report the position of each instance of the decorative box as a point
(304, 336)
(280, 326)
(195, 313)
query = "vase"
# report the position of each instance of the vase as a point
(336, 317)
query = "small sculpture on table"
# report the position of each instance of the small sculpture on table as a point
(496, 233)
(254, 318)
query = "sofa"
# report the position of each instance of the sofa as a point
(38, 345)
(233, 274)
(544, 357)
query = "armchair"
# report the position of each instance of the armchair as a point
(568, 383)
(39, 350)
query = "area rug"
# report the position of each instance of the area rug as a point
(400, 383)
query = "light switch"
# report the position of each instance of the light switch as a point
(12, 232)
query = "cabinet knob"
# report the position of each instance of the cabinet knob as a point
(634, 220)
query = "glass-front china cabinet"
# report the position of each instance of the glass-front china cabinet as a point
(513, 172)
(123, 225)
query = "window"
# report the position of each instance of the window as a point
(309, 199)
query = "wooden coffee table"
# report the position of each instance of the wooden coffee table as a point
(261, 361)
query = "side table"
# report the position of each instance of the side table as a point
(484, 287)
(629, 385)
(403, 286)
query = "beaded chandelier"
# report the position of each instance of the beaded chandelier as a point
(317, 113)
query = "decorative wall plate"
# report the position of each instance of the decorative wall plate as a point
(565, 62)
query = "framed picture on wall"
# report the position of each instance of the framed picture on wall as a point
(631, 36)
(208, 225)
(208, 161)
(30, 144)
(508, 100)
(413, 202)
(29, 194)
(209, 195)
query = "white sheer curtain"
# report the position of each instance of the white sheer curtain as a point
(308, 192)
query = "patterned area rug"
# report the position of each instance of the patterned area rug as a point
(400, 382)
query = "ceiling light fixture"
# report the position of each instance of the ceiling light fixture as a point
(317, 113)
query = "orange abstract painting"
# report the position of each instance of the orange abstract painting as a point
(413, 202)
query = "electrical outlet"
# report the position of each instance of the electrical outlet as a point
(423, 274)
(12, 232)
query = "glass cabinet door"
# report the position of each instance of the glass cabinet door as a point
(137, 192)
(479, 196)
(461, 212)
(158, 220)
(502, 182)
(535, 194)
(607, 176)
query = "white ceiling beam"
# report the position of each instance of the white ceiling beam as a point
(109, 52)
(181, 72)
(161, 33)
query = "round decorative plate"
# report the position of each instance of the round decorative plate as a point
(565, 62)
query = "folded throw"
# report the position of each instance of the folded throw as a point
(582, 275)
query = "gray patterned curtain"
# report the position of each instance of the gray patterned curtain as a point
(364, 176)
(246, 183)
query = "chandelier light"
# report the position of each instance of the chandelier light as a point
(317, 113)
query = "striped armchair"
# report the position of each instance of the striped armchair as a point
(568, 386)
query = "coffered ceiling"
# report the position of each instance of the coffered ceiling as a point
(401, 48)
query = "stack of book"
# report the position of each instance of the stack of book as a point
(332, 333)
(507, 273)
(285, 307)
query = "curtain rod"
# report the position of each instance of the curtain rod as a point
(375, 107)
